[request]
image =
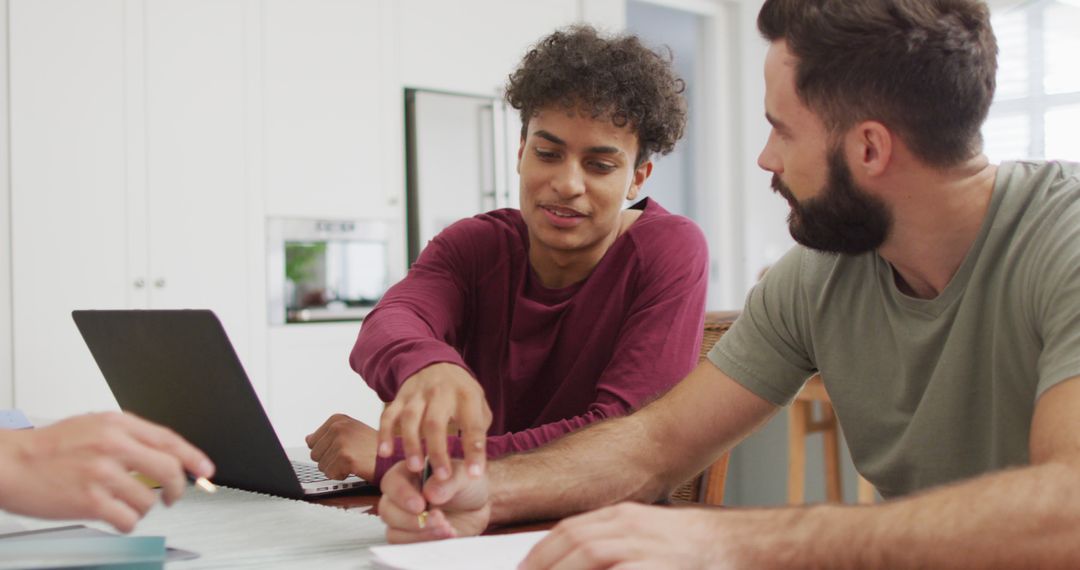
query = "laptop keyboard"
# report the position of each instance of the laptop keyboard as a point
(308, 472)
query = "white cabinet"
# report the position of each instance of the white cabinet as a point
(69, 196)
(325, 104)
(196, 188)
(128, 177)
(471, 46)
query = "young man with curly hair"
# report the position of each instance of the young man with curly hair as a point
(541, 321)
(937, 294)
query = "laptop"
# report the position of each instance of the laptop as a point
(178, 369)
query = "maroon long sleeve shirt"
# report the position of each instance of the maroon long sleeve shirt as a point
(550, 360)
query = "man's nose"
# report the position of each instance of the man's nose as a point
(570, 181)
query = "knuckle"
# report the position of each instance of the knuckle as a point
(143, 504)
(99, 469)
(173, 465)
(409, 415)
(622, 509)
(431, 423)
(111, 418)
(592, 550)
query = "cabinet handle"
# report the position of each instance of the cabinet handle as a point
(159, 283)
(139, 283)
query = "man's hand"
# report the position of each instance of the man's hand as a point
(344, 446)
(424, 405)
(458, 506)
(631, 535)
(80, 468)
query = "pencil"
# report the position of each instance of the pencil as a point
(421, 518)
(202, 483)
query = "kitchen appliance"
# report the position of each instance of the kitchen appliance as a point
(328, 270)
(461, 160)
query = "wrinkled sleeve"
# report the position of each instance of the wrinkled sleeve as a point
(766, 349)
(418, 322)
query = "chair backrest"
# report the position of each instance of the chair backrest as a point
(708, 486)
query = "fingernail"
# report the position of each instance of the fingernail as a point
(476, 470)
(415, 505)
(385, 449)
(415, 464)
(478, 445)
(206, 468)
(442, 473)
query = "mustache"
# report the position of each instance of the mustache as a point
(782, 189)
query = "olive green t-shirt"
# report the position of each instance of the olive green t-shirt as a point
(929, 391)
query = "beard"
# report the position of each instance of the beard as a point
(843, 218)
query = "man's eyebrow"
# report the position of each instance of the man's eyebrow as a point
(776, 123)
(591, 150)
(603, 150)
(550, 137)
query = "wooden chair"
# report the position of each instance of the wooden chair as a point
(708, 487)
(801, 424)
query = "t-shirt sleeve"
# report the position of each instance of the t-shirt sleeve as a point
(417, 322)
(1056, 274)
(766, 349)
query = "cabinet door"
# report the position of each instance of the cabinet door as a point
(471, 46)
(69, 204)
(197, 186)
(323, 110)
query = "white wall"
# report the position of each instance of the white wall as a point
(764, 212)
(6, 383)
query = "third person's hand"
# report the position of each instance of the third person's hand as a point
(343, 446)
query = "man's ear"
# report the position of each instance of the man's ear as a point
(641, 174)
(870, 148)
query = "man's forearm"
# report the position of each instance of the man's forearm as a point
(1022, 518)
(639, 457)
(559, 480)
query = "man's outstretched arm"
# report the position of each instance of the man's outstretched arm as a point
(1021, 518)
(637, 457)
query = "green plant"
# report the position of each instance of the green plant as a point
(299, 258)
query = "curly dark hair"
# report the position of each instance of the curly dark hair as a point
(616, 77)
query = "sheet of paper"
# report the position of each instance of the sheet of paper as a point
(498, 552)
(238, 529)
